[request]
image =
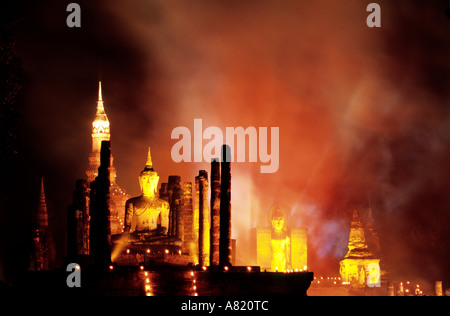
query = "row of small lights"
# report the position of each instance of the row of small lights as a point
(334, 279)
(194, 282)
(305, 269)
(417, 290)
(121, 223)
(166, 251)
(147, 285)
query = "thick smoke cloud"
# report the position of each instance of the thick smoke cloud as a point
(363, 113)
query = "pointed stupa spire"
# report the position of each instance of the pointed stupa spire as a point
(42, 189)
(100, 98)
(42, 216)
(100, 91)
(357, 238)
(356, 221)
(101, 123)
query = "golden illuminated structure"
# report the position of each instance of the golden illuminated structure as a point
(359, 257)
(203, 218)
(279, 248)
(101, 132)
(147, 213)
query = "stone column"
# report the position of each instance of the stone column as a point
(225, 208)
(195, 220)
(203, 237)
(179, 226)
(215, 212)
(185, 209)
(188, 215)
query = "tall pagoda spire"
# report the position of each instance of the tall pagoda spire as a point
(100, 108)
(43, 251)
(100, 132)
(42, 215)
(357, 238)
(100, 125)
(100, 91)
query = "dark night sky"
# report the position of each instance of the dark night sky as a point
(362, 112)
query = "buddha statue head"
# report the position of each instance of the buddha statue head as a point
(148, 178)
(277, 218)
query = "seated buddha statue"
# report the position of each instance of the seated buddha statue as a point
(147, 214)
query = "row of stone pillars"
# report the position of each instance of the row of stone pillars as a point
(215, 237)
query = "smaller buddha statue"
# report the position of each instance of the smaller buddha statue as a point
(281, 247)
(147, 214)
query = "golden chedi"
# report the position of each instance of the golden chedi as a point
(355, 267)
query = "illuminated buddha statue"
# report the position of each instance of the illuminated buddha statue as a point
(147, 214)
(281, 248)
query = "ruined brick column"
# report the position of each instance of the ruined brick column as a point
(175, 195)
(179, 226)
(195, 220)
(184, 213)
(203, 237)
(188, 215)
(225, 208)
(215, 212)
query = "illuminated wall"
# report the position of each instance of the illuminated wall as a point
(263, 248)
(299, 248)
